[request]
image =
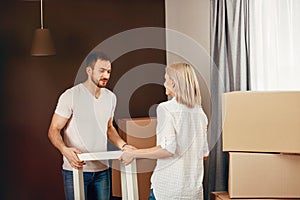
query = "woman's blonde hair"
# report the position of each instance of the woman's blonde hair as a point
(186, 85)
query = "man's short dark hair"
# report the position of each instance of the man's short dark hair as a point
(93, 57)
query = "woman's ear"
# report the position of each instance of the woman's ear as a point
(172, 83)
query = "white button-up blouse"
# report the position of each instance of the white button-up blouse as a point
(183, 132)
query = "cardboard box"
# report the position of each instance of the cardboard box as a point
(261, 121)
(219, 196)
(263, 175)
(141, 133)
(225, 196)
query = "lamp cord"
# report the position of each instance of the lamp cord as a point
(42, 23)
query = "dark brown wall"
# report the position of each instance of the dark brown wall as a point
(30, 85)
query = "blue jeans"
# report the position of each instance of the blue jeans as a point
(151, 197)
(96, 185)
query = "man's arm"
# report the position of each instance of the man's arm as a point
(114, 137)
(57, 124)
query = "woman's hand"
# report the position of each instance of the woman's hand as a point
(128, 147)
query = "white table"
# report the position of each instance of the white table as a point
(128, 175)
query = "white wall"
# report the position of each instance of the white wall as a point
(191, 17)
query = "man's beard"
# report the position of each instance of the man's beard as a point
(101, 86)
(97, 83)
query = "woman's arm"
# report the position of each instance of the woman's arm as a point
(165, 138)
(150, 153)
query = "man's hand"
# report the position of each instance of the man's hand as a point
(126, 158)
(71, 155)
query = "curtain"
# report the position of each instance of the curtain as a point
(229, 72)
(275, 45)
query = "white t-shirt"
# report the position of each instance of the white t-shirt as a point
(183, 132)
(88, 120)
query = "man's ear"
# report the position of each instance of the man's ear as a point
(89, 70)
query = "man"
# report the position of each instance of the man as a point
(85, 112)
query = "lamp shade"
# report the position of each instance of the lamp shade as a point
(42, 44)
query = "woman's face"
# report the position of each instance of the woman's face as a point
(169, 85)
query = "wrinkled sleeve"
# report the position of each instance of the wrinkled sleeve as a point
(165, 131)
(114, 103)
(64, 105)
(205, 143)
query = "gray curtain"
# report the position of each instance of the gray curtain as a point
(229, 72)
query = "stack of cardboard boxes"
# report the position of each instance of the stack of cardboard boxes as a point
(261, 132)
(141, 133)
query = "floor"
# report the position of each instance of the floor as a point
(116, 198)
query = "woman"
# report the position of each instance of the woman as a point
(181, 139)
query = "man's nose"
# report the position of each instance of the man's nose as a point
(105, 74)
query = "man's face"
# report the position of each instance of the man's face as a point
(101, 73)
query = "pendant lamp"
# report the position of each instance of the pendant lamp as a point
(42, 44)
